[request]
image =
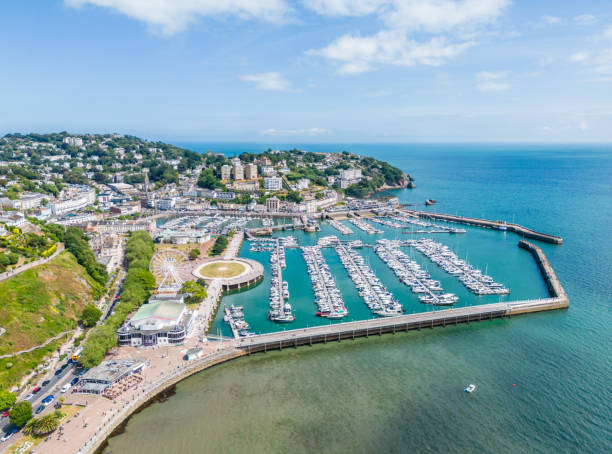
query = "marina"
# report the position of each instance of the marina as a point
(280, 309)
(399, 219)
(410, 273)
(327, 296)
(364, 226)
(557, 299)
(234, 317)
(343, 229)
(472, 278)
(378, 299)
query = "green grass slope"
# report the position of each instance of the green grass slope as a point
(44, 301)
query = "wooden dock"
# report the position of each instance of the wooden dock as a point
(496, 225)
(378, 326)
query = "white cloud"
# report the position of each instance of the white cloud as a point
(394, 45)
(271, 81)
(344, 7)
(579, 56)
(599, 63)
(293, 132)
(173, 16)
(443, 15)
(489, 81)
(552, 20)
(584, 126)
(603, 63)
(427, 15)
(585, 19)
(357, 54)
(608, 33)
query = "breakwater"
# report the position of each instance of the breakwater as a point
(378, 326)
(496, 225)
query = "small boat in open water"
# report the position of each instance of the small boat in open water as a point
(470, 388)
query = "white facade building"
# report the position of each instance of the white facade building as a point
(73, 141)
(226, 172)
(273, 183)
(250, 171)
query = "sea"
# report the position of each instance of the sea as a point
(543, 381)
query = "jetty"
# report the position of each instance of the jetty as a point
(350, 330)
(496, 225)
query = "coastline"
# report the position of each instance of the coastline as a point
(97, 442)
(558, 300)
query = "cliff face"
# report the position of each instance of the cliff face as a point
(406, 182)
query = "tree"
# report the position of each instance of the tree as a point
(76, 242)
(7, 400)
(43, 425)
(21, 413)
(194, 253)
(90, 316)
(195, 292)
(219, 246)
(208, 180)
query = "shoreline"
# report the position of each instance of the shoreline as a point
(558, 300)
(99, 440)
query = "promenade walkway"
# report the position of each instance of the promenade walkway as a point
(36, 347)
(27, 266)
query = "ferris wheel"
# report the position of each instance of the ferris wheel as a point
(165, 266)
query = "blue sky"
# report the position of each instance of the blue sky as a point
(311, 70)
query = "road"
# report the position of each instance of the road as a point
(53, 387)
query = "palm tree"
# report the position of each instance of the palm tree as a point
(43, 425)
(46, 424)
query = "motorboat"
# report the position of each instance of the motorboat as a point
(470, 388)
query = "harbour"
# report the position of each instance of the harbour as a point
(350, 330)
(509, 349)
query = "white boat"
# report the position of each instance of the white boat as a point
(470, 388)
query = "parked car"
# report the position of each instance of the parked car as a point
(45, 383)
(47, 400)
(74, 381)
(5, 414)
(39, 409)
(29, 396)
(65, 388)
(8, 435)
(35, 390)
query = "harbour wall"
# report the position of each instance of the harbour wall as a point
(350, 330)
(497, 225)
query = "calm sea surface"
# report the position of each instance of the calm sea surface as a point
(403, 393)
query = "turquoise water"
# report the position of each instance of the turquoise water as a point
(403, 393)
(493, 251)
